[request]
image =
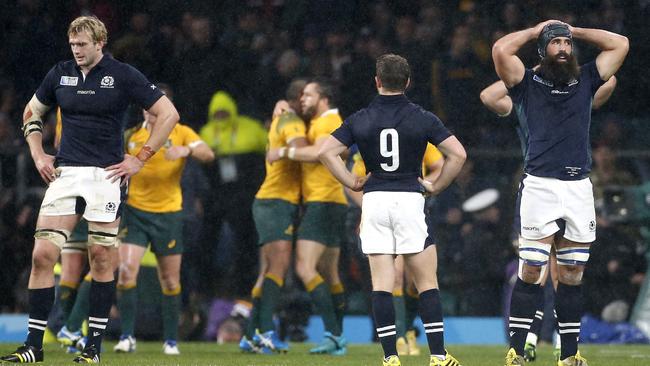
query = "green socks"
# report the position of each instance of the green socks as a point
(322, 299)
(127, 297)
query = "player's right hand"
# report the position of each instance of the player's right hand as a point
(45, 166)
(124, 170)
(359, 182)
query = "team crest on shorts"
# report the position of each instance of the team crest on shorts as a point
(110, 207)
(592, 225)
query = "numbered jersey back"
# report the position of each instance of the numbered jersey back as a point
(392, 135)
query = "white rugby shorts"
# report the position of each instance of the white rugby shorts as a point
(102, 198)
(393, 223)
(545, 200)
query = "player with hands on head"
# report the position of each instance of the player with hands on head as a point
(495, 97)
(553, 105)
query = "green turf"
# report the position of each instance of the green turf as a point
(149, 353)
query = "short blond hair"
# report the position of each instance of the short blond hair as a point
(91, 25)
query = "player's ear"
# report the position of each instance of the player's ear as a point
(408, 83)
(377, 82)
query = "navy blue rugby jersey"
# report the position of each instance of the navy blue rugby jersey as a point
(93, 108)
(392, 135)
(554, 123)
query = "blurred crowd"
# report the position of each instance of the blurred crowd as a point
(229, 61)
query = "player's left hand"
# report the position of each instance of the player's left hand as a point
(273, 155)
(359, 182)
(177, 152)
(124, 170)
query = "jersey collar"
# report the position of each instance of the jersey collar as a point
(330, 111)
(391, 99)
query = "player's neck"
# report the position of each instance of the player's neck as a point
(322, 110)
(383, 91)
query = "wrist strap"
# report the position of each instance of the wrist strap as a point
(145, 153)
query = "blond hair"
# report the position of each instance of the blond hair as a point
(91, 25)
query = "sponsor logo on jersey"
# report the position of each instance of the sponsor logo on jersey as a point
(538, 79)
(572, 171)
(69, 80)
(107, 82)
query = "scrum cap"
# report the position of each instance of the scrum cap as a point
(550, 31)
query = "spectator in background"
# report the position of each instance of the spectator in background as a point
(336, 42)
(616, 271)
(485, 249)
(406, 44)
(132, 47)
(456, 77)
(607, 172)
(200, 70)
(356, 90)
(428, 31)
(239, 142)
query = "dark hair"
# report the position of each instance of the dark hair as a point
(326, 90)
(393, 71)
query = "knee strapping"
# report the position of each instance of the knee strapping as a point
(572, 256)
(533, 253)
(56, 236)
(106, 237)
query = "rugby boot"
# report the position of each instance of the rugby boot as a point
(513, 359)
(88, 355)
(448, 361)
(530, 352)
(575, 360)
(391, 361)
(272, 341)
(24, 354)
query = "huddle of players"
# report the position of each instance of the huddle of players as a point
(293, 175)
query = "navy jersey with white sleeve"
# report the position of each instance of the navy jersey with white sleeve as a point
(554, 123)
(93, 108)
(392, 135)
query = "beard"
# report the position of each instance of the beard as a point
(559, 73)
(308, 112)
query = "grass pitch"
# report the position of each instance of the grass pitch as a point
(195, 353)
